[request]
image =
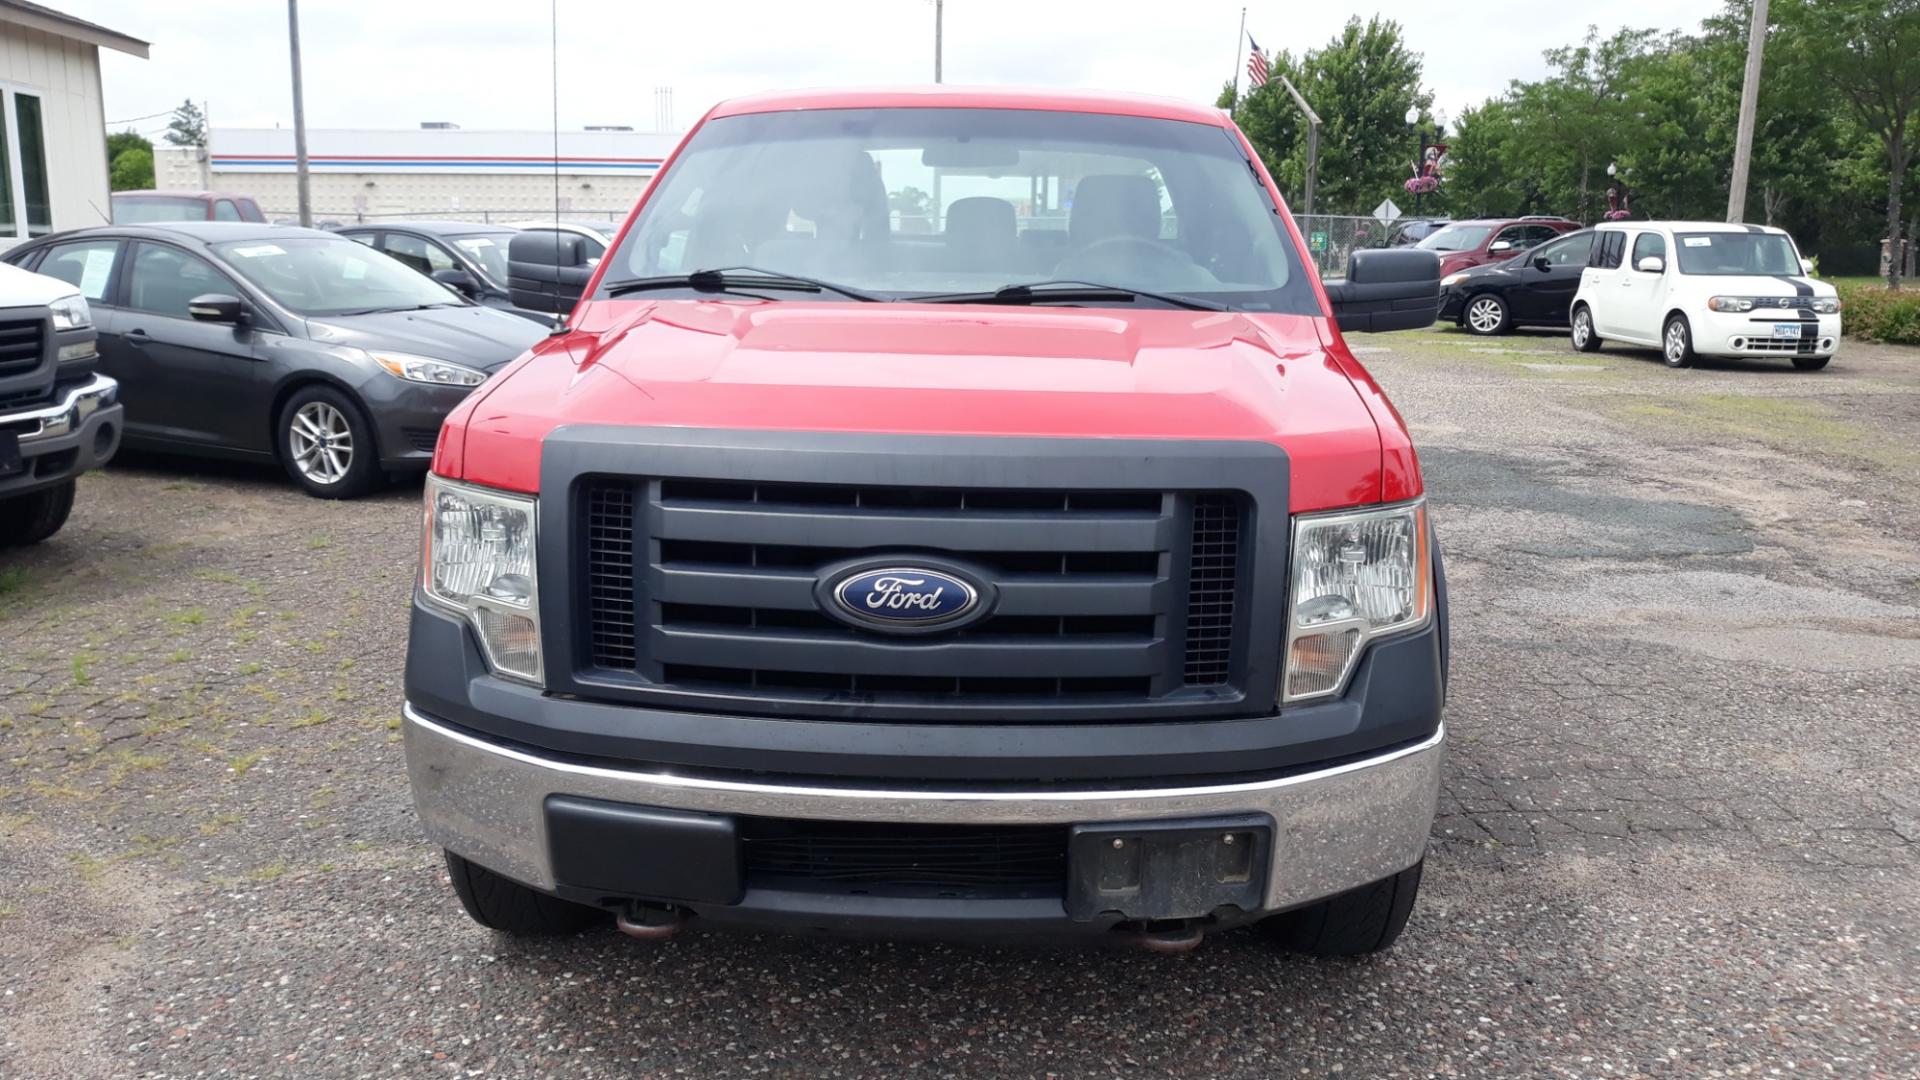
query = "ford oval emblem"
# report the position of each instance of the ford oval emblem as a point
(905, 599)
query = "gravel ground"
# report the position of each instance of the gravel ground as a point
(1680, 832)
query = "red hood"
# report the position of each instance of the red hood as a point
(944, 370)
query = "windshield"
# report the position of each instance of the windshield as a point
(329, 275)
(908, 202)
(489, 252)
(142, 209)
(1727, 254)
(1457, 238)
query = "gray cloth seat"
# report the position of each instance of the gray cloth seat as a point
(981, 235)
(1109, 205)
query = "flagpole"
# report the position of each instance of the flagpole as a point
(1239, 43)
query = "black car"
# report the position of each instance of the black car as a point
(1413, 230)
(1533, 289)
(458, 254)
(278, 343)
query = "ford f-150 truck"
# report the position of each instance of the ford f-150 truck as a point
(950, 512)
(57, 417)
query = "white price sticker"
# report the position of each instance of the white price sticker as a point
(1697, 241)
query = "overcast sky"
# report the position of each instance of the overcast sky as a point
(484, 63)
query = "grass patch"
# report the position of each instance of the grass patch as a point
(251, 667)
(270, 872)
(1789, 424)
(186, 617)
(217, 822)
(312, 718)
(12, 580)
(179, 656)
(240, 764)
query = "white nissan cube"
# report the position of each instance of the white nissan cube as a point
(1697, 288)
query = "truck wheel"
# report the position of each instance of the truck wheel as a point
(327, 444)
(1363, 920)
(1486, 315)
(1676, 343)
(499, 903)
(29, 519)
(1810, 363)
(1585, 337)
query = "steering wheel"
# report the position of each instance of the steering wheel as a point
(1098, 255)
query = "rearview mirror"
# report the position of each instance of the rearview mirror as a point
(1499, 246)
(457, 279)
(1387, 289)
(1651, 264)
(547, 270)
(1541, 264)
(216, 308)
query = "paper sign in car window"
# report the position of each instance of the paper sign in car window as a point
(1698, 241)
(255, 251)
(353, 269)
(95, 271)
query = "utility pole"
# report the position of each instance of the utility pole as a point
(939, 18)
(1749, 100)
(299, 118)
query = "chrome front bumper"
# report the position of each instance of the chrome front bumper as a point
(65, 416)
(1334, 829)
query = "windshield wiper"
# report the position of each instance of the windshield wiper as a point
(733, 279)
(1046, 292)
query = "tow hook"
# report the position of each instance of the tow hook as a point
(650, 923)
(1169, 939)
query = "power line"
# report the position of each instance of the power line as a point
(137, 119)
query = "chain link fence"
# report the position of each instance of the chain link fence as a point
(1333, 238)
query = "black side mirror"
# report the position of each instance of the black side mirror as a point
(457, 279)
(1391, 289)
(217, 308)
(547, 270)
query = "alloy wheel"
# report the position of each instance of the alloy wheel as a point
(1676, 342)
(321, 442)
(1484, 315)
(1582, 327)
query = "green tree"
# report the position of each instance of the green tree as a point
(132, 170)
(1867, 52)
(188, 126)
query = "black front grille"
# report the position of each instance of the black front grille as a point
(421, 438)
(22, 344)
(14, 399)
(885, 857)
(707, 588)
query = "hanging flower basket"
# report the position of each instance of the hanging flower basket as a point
(1423, 185)
(1618, 215)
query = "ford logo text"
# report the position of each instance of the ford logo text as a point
(904, 599)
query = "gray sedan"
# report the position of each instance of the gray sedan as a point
(277, 343)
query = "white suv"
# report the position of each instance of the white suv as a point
(1704, 289)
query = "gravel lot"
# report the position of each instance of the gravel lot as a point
(1680, 834)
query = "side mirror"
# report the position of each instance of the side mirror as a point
(1541, 264)
(1387, 289)
(217, 308)
(1806, 266)
(1651, 264)
(547, 270)
(1498, 246)
(458, 280)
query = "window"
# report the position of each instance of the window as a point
(1608, 250)
(1515, 235)
(1456, 238)
(1540, 234)
(163, 279)
(910, 202)
(144, 209)
(1648, 243)
(489, 253)
(360, 237)
(328, 275)
(1573, 251)
(87, 266)
(423, 255)
(1742, 253)
(224, 210)
(26, 208)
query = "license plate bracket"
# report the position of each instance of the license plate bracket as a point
(1176, 869)
(10, 461)
(1786, 330)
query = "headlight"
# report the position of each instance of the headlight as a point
(1356, 576)
(1826, 305)
(479, 562)
(71, 313)
(1729, 303)
(1453, 279)
(425, 369)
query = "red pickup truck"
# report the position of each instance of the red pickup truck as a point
(946, 512)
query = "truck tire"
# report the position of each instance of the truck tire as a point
(503, 904)
(29, 519)
(1810, 363)
(1356, 922)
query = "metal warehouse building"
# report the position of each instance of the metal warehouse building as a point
(367, 174)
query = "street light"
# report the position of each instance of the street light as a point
(1420, 153)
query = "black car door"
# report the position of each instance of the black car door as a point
(1548, 293)
(187, 383)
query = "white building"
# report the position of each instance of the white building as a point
(368, 174)
(53, 141)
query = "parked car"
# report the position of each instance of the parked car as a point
(274, 343)
(595, 236)
(58, 417)
(1466, 244)
(461, 255)
(148, 207)
(1013, 604)
(1705, 288)
(1413, 230)
(1531, 289)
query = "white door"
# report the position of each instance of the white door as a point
(1641, 295)
(1600, 282)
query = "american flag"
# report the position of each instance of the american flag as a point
(1256, 64)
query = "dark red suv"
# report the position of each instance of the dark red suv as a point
(1483, 240)
(146, 207)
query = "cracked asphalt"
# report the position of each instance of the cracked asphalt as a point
(1680, 831)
